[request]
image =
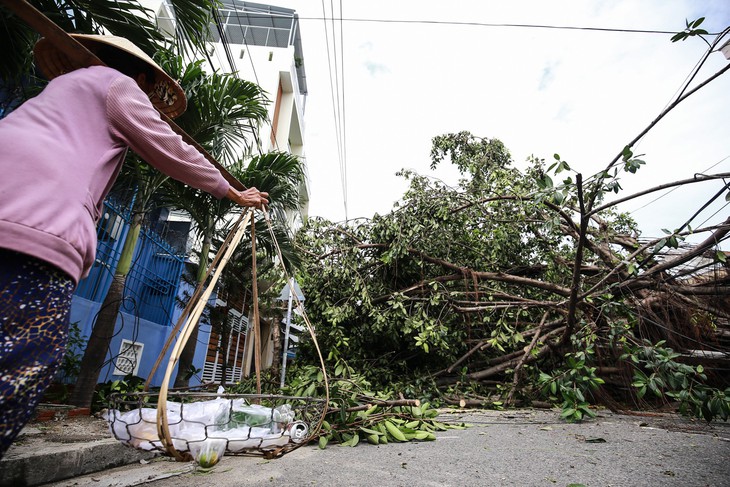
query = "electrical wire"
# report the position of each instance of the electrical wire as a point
(335, 107)
(339, 74)
(344, 118)
(718, 211)
(226, 47)
(677, 187)
(506, 25)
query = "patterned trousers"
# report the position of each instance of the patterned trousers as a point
(35, 299)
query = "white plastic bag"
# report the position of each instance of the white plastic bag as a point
(207, 452)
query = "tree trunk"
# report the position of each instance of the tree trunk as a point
(98, 345)
(226, 334)
(276, 348)
(106, 320)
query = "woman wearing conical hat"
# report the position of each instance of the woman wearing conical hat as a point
(61, 153)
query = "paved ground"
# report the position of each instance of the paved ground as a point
(507, 448)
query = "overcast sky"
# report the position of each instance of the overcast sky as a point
(581, 94)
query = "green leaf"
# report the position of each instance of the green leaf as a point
(322, 442)
(394, 431)
(369, 431)
(697, 22)
(626, 153)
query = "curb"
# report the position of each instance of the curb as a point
(62, 461)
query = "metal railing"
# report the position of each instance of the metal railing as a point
(153, 279)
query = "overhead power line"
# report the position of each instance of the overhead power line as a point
(344, 118)
(492, 24)
(337, 92)
(631, 212)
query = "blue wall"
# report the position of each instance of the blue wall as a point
(152, 335)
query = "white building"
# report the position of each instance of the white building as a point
(262, 44)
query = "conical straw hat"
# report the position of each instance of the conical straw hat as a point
(168, 97)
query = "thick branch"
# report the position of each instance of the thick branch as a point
(483, 374)
(419, 285)
(482, 345)
(528, 350)
(698, 250)
(495, 276)
(657, 119)
(378, 402)
(701, 290)
(575, 284)
(696, 179)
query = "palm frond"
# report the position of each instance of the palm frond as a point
(193, 23)
(126, 18)
(278, 173)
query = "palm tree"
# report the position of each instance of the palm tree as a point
(125, 18)
(280, 174)
(237, 102)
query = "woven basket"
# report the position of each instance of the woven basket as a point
(231, 424)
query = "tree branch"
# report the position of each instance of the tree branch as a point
(575, 284)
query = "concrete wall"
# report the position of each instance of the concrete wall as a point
(129, 327)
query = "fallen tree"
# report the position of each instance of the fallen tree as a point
(513, 287)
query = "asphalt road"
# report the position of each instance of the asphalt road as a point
(501, 448)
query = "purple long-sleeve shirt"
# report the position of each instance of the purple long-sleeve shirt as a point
(60, 153)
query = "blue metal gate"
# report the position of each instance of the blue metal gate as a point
(153, 279)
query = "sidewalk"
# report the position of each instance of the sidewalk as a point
(520, 448)
(55, 448)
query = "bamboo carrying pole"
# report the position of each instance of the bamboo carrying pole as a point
(186, 312)
(256, 321)
(163, 429)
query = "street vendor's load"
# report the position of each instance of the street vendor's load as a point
(208, 429)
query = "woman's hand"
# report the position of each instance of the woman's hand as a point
(250, 197)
